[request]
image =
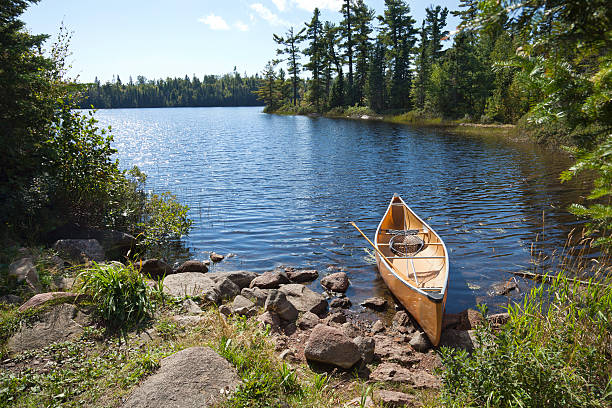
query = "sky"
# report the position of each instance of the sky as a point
(160, 39)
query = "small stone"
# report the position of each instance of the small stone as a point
(215, 257)
(393, 372)
(225, 310)
(277, 302)
(420, 342)
(302, 275)
(342, 303)
(191, 307)
(256, 295)
(393, 399)
(269, 280)
(375, 303)
(378, 327)
(308, 321)
(366, 347)
(358, 403)
(498, 319)
(337, 317)
(242, 306)
(336, 282)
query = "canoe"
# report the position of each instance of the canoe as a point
(414, 266)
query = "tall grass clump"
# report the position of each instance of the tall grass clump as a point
(119, 293)
(555, 351)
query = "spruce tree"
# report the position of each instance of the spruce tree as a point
(315, 51)
(290, 47)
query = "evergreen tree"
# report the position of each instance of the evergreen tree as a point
(363, 29)
(347, 27)
(423, 70)
(267, 90)
(290, 47)
(315, 51)
(376, 78)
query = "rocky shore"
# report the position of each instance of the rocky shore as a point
(304, 327)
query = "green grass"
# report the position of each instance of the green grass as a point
(554, 352)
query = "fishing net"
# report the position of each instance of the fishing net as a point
(406, 243)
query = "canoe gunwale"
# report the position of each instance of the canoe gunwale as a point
(437, 297)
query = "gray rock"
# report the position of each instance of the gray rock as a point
(302, 275)
(192, 284)
(60, 323)
(366, 347)
(304, 299)
(256, 295)
(192, 266)
(378, 327)
(43, 298)
(375, 303)
(402, 323)
(225, 310)
(269, 280)
(337, 317)
(278, 303)
(458, 339)
(191, 307)
(394, 399)
(270, 319)
(350, 330)
(342, 303)
(420, 342)
(24, 270)
(186, 320)
(242, 306)
(393, 372)
(240, 278)
(388, 349)
(329, 345)
(215, 257)
(226, 288)
(192, 378)
(308, 321)
(80, 251)
(357, 402)
(336, 282)
(116, 244)
(155, 268)
(10, 299)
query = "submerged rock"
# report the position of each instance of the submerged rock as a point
(215, 257)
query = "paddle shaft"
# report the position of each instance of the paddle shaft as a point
(376, 248)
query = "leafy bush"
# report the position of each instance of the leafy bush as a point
(119, 293)
(553, 352)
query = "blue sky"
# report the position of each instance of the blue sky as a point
(158, 39)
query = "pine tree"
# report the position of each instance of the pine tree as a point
(363, 29)
(315, 51)
(376, 78)
(290, 47)
(267, 90)
(346, 26)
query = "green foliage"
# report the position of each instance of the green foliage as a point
(164, 219)
(599, 214)
(553, 352)
(119, 293)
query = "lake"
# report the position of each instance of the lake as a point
(281, 190)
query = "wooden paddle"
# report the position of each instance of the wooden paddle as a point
(377, 250)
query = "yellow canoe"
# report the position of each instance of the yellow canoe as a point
(418, 277)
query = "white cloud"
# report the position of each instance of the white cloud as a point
(241, 26)
(214, 22)
(265, 13)
(310, 5)
(280, 4)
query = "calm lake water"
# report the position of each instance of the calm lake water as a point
(281, 190)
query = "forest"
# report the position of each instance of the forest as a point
(230, 89)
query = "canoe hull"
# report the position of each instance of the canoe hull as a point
(426, 312)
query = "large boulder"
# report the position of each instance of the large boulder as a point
(302, 275)
(336, 282)
(329, 345)
(278, 303)
(79, 251)
(304, 299)
(24, 270)
(308, 321)
(191, 284)
(60, 323)
(196, 377)
(43, 298)
(366, 346)
(269, 280)
(155, 268)
(241, 278)
(243, 306)
(192, 266)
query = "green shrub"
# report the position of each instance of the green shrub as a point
(119, 293)
(553, 352)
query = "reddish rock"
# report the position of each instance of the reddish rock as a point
(342, 303)
(329, 345)
(375, 303)
(394, 399)
(393, 372)
(336, 282)
(269, 280)
(302, 275)
(270, 319)
(498, 319)
(308, 321)
(192, 266)
(42, 298)
(277, 302)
